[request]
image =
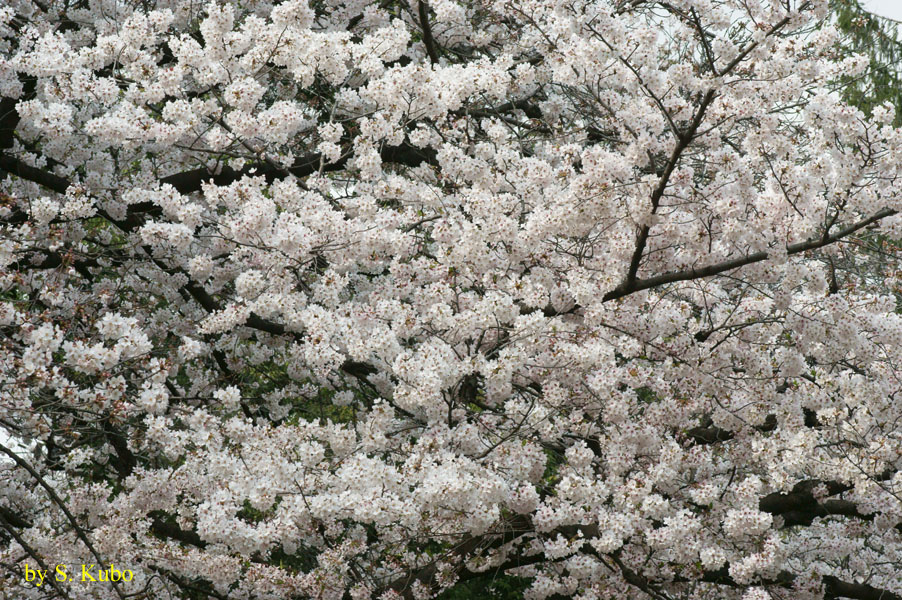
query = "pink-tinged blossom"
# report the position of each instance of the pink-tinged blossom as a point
(353, 300)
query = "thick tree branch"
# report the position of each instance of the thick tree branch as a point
(800, 507)
(428, 39)
(835, 588)
(188, 182)
(708, 433)
(8, 526)
(511, 529)
(40, 176)
(62, 506)
(165, 527)
(729, 265)
(124, 461)
(638, 580)
(13, 519)
(683, 142)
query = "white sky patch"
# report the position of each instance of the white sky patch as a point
(891, 9)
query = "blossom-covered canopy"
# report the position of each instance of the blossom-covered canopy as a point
(346, 299)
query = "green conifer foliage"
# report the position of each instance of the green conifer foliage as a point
(877, 38)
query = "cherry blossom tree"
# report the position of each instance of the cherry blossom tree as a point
(345, 299)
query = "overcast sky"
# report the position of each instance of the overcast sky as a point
(886, 8)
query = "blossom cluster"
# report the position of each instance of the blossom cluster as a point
(353, 299)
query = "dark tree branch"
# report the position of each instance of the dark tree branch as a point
(683, 141)
(188, 182)
(8, 526)
(428, 38)
(34, 174)
(800, 507)
(729, 265)
(512, 529)
(62, 506)
(54, 260)
(835, 588)
(711, 434)
(188, 587)
(165, 527)
(9, 116)
(125, 460)
(638, 580)
(13, 519)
